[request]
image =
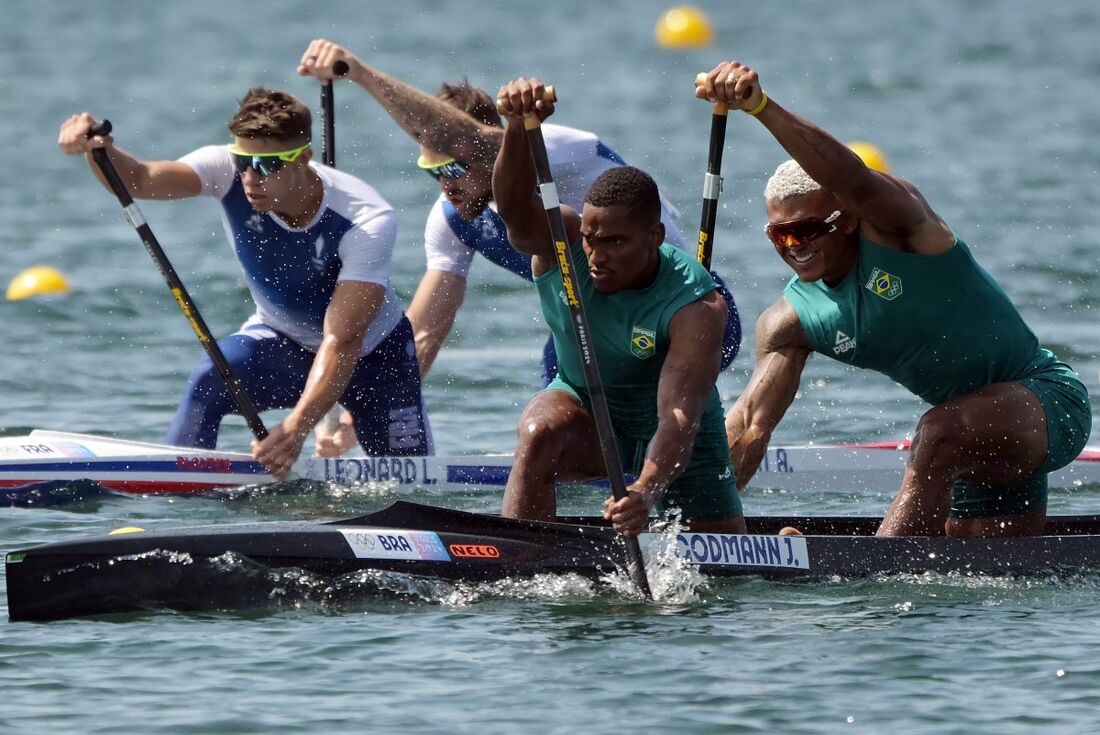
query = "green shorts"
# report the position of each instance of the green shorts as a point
(1069, 421)
(706, 490)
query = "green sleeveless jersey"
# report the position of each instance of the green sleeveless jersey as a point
(629, 330)
(937, 324)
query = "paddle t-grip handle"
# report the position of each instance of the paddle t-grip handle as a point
(701, 79)
(103, 127)
(340, 68)
(548, 95)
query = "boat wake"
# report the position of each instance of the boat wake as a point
(314, 499)
(256, 588)
(936, 582)
(366, 590)
(306, 489)
(77, 495)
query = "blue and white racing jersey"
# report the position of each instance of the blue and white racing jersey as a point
(292, 272)
(576, 158)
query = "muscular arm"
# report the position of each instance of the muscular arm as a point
(781, 354)
(353, 307)
(144, 179)
(687, 379)
(432, 123)
(150, 179)
(891, 211)
(432, 313)
(522, 211)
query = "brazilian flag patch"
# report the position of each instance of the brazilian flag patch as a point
(643, 343)
(883, 284)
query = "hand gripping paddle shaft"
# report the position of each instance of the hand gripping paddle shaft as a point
(581, 332)
(328, 157)
(175, 285)
(712, 181)
(328, 119)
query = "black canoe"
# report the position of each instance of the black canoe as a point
(229, 567)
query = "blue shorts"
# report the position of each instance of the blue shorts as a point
(731, 340)
(383, 395)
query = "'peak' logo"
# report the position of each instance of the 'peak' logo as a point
(843, 343)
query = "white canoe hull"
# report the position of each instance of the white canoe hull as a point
(141, 467)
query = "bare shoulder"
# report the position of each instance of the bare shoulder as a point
(545, 259)
(710, 301)
(898, 217)
(705, 315)
(572, 220)
(778, 329)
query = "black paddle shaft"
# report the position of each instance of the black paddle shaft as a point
(328, 119)
(712, 185)
(583, 335)
(179, 291)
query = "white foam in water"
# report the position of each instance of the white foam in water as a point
(672, 578)
(336, 490)
(673, 581)
(541, 587)
(369, 489)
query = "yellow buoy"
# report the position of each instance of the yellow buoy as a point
(126, 529)
(41, 279)
(684, 27)
(871, 155)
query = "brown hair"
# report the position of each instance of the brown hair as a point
(269, 113)
(471, 100)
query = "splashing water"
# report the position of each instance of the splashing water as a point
(672, 578)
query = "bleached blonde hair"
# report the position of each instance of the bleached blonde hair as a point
(789, 180)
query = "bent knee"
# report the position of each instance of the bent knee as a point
(537, 430)
(549, 421)
(206, 382)
(936, 438)
(1006, 526)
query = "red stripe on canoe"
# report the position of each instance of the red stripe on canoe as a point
(162, 487)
